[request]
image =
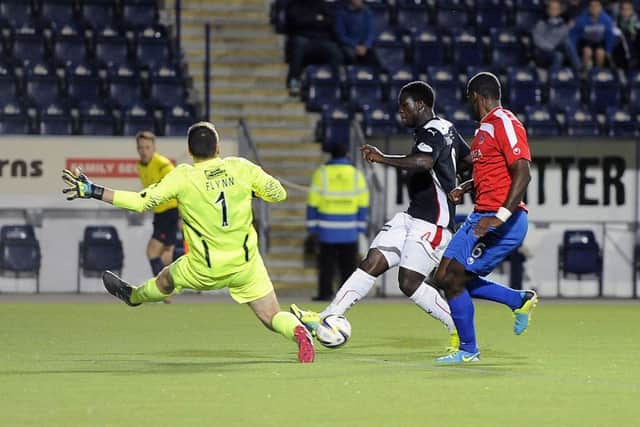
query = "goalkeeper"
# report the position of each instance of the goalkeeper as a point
(214, 199)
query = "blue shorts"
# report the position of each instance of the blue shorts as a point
(482, 255)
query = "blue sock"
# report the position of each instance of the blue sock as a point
(462, 312)
(156, 265)
(492, 291)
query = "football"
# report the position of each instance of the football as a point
(334, 331)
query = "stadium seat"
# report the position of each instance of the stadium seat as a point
(564, 89)
(399, 78)
(20, 251)
(446, 85)
(604, 90)
(524, 88)
(55, 120)
(28, 46)
(95, 119)
(377, 121)
(8, 84)
(391, 50)
(428, 50)
(381, 14)
(97, 14)
(69, 47)
(57, 13)
(364, 87)
(528, 13)
(166, 87)
(579, 255)
(467, 49)
(111, 48)
(99, 250)
(321, 86)
(177, 119)
(506, 49)
(462, 120)
(124, 86)
(580, 122)
(136, 118)
(412, 15)
(152, 49)
(42, 86)
(141, 13)
(540, 122)
(83, 85)
(621, 124)
(491, 14)
(335, 127)
(17, 13)
(13, 119)
(451, 14)
(634, 91)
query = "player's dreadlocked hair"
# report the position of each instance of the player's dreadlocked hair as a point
(419, 91)
(203, 140)
(485, 84)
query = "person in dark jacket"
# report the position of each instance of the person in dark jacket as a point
(355, 29)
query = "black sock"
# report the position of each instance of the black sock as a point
(156, 265)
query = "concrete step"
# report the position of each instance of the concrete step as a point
(257, 97)
(290, 213)
(239, 30)
(284, 111)
(209, 5)
(242, 82)
(265, 150)
(295, 289)
(275, 119)
(288, 227)
(242, 20)
(298, 161)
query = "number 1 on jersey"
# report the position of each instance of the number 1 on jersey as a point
(223, 202)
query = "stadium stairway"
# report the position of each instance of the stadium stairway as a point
(248, 81)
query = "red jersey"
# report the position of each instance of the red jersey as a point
(499, 141)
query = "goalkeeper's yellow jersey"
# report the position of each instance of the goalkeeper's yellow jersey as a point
(214, 200)
(152, 173)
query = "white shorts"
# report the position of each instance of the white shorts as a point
(412, 243)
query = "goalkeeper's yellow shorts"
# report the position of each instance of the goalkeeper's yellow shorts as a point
(249, 284)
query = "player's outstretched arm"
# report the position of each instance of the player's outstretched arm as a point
(409, 162)
(81, 187)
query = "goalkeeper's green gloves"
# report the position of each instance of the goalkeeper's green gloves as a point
(80, 186)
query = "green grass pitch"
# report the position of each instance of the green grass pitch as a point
(213, 364)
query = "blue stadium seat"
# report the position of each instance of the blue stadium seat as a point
(580, 122)
(83, 84)
(336, 127)
(98, 14)
(446, 85)
(412, 15)
(377, 121)
(42, 86)
(564, 89)
(364, 87)
(141, 13)
(95, 119)
(491, 13)
(124, 87)
(579, 255)
(69, 47)
(136, 118)
(13, 119)
(57, 13)
(28, 46)
(8, 84)
(321, 87)
(462, 120)
(381, 14)
(524, 88)
(621, 124)
(399, 78)
(540, 122)
(634, 91)
(99, 250)
(177, 119)
(111, 48)
(20, 251)
(55, 120)
(391, 50)
(604, 90)
(467, 49)
(451, 14)
(152, 49)
(166, 87)
(506, 49)
(428, 50)
(17, 13)
(528, 13)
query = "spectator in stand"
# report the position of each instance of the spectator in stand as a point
(592, 35)
(551, 39)
(310, 39)
(356, 33)
(572, 9)
(629, 25)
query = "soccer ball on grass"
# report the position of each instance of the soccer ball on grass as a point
(334, 331)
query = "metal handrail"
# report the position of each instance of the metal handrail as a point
(247, 148)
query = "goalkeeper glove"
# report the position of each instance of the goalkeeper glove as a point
(80, 186)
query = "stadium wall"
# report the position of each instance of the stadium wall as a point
(30, 188)
(576, 184)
